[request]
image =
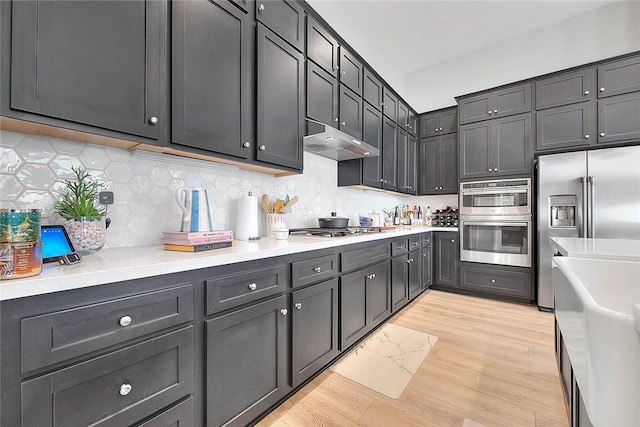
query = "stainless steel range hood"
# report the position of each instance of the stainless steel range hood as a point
(327, 141)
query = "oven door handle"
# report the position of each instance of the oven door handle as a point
(499, 224)
(495, 191)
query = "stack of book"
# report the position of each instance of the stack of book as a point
(196, 241)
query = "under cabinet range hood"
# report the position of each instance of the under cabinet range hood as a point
(327, 141)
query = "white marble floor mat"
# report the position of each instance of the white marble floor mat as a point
(387, 360)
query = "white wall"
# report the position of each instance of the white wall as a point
(602, 33)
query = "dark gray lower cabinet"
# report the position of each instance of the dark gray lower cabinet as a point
(379, 293)
(246, 362)
(426, 260)
(399, 282)
(314, 319)
(514, 282)
(413, 280)
(446, 258)
(180, 415)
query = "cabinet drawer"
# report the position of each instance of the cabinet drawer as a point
(426, 240)
(415, 242)
(357, 258)
(507, 283)
(116, 389)
(181, 415)
(236, 289)
(314, 270)
(399, 246)
(55, 337)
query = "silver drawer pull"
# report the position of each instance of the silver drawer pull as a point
(416, 243)
(125, 321)
(373, 276)
(253, 286)
(493, 280)
(125, 389)
(284, 311)
(298, 305)
(317, 269)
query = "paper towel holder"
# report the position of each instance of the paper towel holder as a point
(247, 218)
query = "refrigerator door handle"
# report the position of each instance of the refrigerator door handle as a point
(590, 231)
(583, 229)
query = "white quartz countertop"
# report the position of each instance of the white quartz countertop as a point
(119, 264)
(612, 249)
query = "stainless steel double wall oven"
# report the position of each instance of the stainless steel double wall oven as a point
(495, 222)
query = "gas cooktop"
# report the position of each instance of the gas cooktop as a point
(335, 232)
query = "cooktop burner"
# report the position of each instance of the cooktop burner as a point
(335, 232)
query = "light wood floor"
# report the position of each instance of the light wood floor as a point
(493, 363)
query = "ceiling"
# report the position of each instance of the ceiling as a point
(397, 37)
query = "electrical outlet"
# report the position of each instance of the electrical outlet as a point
(105, 197)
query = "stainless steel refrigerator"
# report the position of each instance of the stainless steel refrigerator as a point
(585, 194)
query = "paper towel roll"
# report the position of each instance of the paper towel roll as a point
(247, 224)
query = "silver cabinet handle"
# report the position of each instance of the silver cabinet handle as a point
(400, 247)
(416, 243)
(495, 169)
(125, 321)
(437, 129)
(586, 92)
(343, 72)
(489, 169)
(424, 255)
(495, 111)
(369, 276)
(246, 144)
(317, 269)
(125, 389)
(602, 134)
(386, 106)
(440, 129)
(385, 181)
(335, 120)
(373, 276)
(261, 7)
(489, 111)
(153, 120)
(262, 147)
(298, 305)
(381, 180)
(253, 286)
(284, 311)
(343, 123)
(453, 241)
(441, 188)
(601, 89)
(493, 280)
(586, 136)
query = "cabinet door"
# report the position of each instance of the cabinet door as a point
(428, 148)
(512, 100)
(411, 173)
(350, 71)
(399, 282)
(372, 89)
(246, 362)
(566, 126)
(350, 112)
(426, 265)
(566, 89)
(447, 166)
(619, 118)
(475, 154)
(315, 329)
(354, 315)
(413, 123)
(372, 134)
(64, 65)
(511, 145)
(379, 282)
(285, 17)
(475, 108)
(445, 259)
(390, 104)
(402, 142)
(322, 47)
(429, 125)
(213, 117)
(322, 95)
(280, 101)
(389, 155)
(619, 77)
(449, 121)
(413, 279)
(181, 415)
(403, 116)
(500, 280)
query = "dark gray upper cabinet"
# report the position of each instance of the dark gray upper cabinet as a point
(389, 155)
(446, 258)
(280, 101)
(413, 123)
(438, 165)
(372, 89)
(213, 117)
(314, 322)
(99, 64)
(567, 88)
(350, 71)
(619, 118)
(619, 77)
(390, 104)
(372, 134)
(439, 123)
(499, 103)
(403, 116)
(322, 47)
(285, 17)
(499, 147)
(406, 162)
(322, 96)
(566, 126)
(411, 171)
(246, 362)
(350, 112)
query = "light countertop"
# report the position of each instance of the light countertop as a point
(612, 249)
(120, 264)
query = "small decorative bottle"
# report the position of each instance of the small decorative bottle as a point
(427, 217)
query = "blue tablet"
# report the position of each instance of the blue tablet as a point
(56, 243)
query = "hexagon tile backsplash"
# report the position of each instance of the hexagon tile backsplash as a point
(144, 187)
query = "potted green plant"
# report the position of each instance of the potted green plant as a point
(84, 219)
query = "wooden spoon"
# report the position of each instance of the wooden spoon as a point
(287, 208)
(265, 200)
